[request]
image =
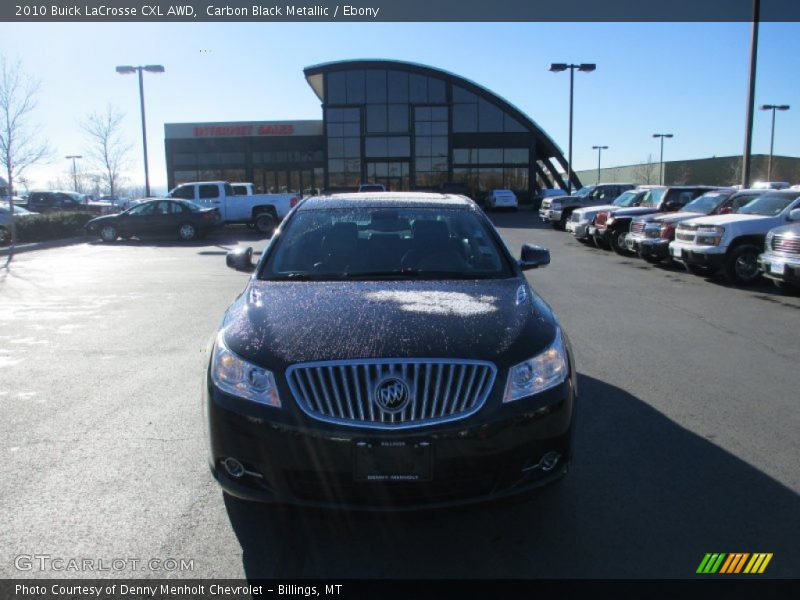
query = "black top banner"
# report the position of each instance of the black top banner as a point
(400, 10)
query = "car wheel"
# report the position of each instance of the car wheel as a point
(618, 242)
(265, 223)
(187, 232)
(699, 270)
(5, 236)
(741, 265)
(108, 233)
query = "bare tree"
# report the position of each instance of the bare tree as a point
(108, 148)
(21, 145)
(646, 172)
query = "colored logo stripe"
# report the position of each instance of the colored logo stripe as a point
(733, 563)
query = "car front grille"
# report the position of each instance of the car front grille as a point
(685, 233)
(787, 244)
(391, 393)
(637, 227)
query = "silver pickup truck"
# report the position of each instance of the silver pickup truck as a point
(559, 209)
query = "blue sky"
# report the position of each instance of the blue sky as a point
(688, 79)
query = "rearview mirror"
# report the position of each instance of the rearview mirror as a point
(794, 214)
(241, 259)
(533, 257)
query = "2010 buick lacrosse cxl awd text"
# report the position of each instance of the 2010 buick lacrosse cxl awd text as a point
(388, 352)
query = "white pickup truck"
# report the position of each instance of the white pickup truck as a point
(733, 242)
(264, 211)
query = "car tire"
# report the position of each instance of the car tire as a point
(187, 232)
(741, 265)
(618, 242)
(108, 233)
(265, 223)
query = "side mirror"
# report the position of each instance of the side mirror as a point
(794, 214)
(533, 257)
(240, 260)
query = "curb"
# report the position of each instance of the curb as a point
(22, 248)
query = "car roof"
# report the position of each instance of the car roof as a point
(386, 199)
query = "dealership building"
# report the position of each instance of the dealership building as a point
(404, 125)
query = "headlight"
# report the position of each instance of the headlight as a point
(768, 241)
(709, 235)
(537, 374)
(240, 378)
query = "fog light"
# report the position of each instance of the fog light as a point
(549, 461)
(233, 467)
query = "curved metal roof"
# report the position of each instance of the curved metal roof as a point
(363, 63)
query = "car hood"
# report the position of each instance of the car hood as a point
(725, 219)
(276, 324)
(793, 229)
(594, 209)
(634, 211)
(674, 217)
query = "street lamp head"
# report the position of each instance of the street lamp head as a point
(599, 147)
(783, 107)
(154, 68)
(662, 135)
(587, 67)
(73, 156)
(556, 67)
(126, 70)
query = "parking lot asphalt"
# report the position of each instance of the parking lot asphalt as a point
(686, 443)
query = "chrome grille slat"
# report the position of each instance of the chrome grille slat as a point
(786, 244)
(436, 390)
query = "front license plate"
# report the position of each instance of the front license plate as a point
(393, 461)
(777, 268)
(676, 252)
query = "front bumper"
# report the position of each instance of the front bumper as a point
(651, 247)
(780, 267)
(493, 454)
(580, 229)
(705, 256)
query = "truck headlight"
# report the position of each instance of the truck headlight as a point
(709, 235)
(236, 376)
(768, 241)
(539, 373)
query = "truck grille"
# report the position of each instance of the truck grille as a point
(391, 393)
(787, 244)
(685, 233)
(637, 227)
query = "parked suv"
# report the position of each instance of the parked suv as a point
(582, 218)
(611, 226)
(732, 243)
(558, 210)
(780, 261)
(650, 235)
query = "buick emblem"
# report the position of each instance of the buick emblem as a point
(392, 394)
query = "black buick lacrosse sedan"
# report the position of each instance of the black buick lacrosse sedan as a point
(387, 351)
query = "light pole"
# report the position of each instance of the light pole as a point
(586, 68)
(74, 157)
(751, 96)
(662, 136)
(127, 70)
(599, 152)
(773, 108)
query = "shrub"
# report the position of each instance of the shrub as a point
(51, 226)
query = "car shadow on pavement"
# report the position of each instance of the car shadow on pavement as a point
(645, 498)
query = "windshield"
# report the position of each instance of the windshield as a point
(653, 198)
(768, 205)
(584, 191)
(386, 243)
(707, 202)
(626, 199)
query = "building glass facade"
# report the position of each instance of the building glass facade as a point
(407, 126)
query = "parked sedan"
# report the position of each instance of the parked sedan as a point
(651, 234)
(157, 218)
(388, 350)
